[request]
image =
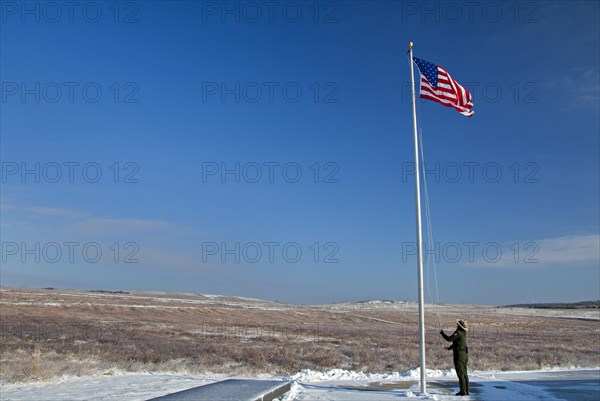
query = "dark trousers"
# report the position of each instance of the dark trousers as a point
(463, 377)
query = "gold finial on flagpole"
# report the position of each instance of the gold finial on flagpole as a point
(410, 45)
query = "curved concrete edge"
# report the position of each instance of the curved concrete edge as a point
(276, 392)
(231, 390)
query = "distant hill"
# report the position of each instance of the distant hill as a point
(565, 305)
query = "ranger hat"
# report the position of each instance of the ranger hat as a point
(462, 324)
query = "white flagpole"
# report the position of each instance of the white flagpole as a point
(419, 231)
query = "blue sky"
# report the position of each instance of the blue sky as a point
(264, 149)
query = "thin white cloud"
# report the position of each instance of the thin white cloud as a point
(168, 259)
(58, 212)
(5, 204)
(569, 250)
(113, 226)
(582, 86)
(27, 220)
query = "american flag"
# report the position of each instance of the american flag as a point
(438, 85)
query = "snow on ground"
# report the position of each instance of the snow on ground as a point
(547, 385)
(121, 387)
(587, 314)
(334, 385)
(308, 375)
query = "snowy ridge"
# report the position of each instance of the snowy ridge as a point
(308, 375)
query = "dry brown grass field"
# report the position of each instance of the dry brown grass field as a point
(50, 333)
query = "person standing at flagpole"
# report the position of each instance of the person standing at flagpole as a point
(438, 86)
(460, 352)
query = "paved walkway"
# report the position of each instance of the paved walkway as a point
(231, 390)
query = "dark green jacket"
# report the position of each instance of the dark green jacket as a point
(459, 347)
